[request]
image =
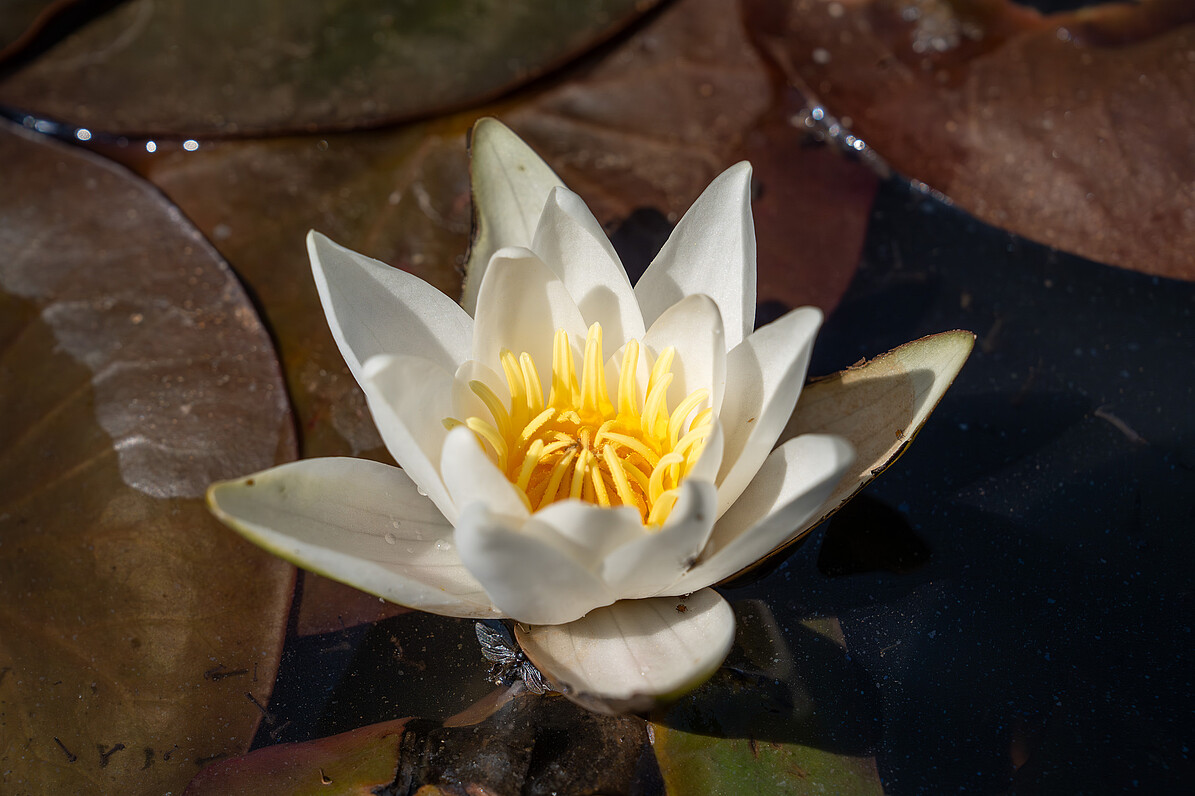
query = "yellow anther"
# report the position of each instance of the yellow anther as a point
(531, 385)
(682, 411)
(633, 454)
(490, 434)
(494, 404)
(656, 484)
(534, 454)
(661, 508)
(621, 485)
(626, 380)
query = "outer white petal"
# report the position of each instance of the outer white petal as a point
(766, 371)
(634, 653)
(590, 532)
(358, 522)
(530, 572)
(510, 185)
(471, 477)
(521, 305)
(783, 501)
(373, 309)
(649, 564)
(572, 243)
(711, 251)
(408, 398)
(694, 327)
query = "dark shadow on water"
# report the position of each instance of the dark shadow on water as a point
(783, 683)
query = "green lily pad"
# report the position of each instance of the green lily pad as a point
(197, 68)
(138, 637)
(766, 723)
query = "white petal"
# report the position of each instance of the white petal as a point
(592, 531)
(520, 307)
(374, 309)
(766, 371)
(783, 501)
(529, 572)
(572, 243)
(409, 397)
(634, 653)
(711, 251)
(471, 477)
(693, 326)
(510, 185)
(358, 522)
(655, 560)
(880, 406)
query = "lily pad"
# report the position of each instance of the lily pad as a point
(138, 637)
(194, 68)
(1071, 129)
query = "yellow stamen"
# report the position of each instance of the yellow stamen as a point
(577, 444)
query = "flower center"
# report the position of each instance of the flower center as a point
(580, 444)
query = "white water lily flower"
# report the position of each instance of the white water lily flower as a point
(579, 455)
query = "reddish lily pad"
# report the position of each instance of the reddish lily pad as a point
(138, 637)
(196, 68)
(1071, 129)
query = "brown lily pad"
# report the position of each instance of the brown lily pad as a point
(1071, 129)
(195, 68)
(402, 196)
(138, 636)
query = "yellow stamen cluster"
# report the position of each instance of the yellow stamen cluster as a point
(579, 444)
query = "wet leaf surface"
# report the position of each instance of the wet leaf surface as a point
(136, 632)
(787, 714)
(1071, 129)
(402, 196)
(193, 69)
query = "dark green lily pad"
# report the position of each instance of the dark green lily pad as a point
(196, 68)
(138, 637)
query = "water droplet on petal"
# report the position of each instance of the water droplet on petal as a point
(391, 538)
